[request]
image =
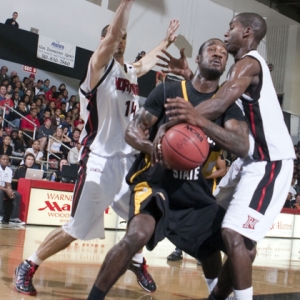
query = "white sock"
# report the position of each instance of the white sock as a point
(34, 258)
(211, 283)
(138, 257)
(246, 294)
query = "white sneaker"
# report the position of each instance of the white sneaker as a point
(16, 221)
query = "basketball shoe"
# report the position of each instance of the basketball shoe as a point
(144, 279)
(23, 280)
(175, 255)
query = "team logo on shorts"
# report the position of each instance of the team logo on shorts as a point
(250, 223)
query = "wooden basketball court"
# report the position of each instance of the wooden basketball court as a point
(70, 274)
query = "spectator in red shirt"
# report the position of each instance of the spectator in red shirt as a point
(28, 127)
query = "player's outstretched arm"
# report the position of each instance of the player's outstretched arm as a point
(135, 134)
(145, 64)
(178, 66)
(109, 44)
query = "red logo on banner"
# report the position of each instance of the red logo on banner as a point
(29, 69)
(250, 223)
(55, 207)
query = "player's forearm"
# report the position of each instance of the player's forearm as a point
(137, 139)
(145, 64)
(235, 141)
(119, 24)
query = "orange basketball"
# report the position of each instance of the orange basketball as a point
(184, 147)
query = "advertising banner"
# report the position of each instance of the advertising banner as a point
(56, 52)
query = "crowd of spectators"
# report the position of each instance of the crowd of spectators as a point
(293, 198)
(32, 110)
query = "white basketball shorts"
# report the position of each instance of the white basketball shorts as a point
(100, 183)
(253, 193)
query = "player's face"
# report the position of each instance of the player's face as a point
(122, 45)
(212, 61)
(234, 36)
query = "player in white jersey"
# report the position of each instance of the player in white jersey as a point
(109, 99)
(255, 188)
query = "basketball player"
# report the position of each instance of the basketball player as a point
(109, 93)
(255, 188)
(169, 203)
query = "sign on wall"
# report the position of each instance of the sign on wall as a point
(53, 207)
(29, 69)
(56, 52)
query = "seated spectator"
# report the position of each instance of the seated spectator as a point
(50, 93)
(51, 107)
(12, 21)
(65, 96)
(18, 84)
(61, 87)
(46, 115)
(29, 92)
(35, 151)
(18, 149)
(38, 88)
(63, 112)
(16, 99)
(43, 134)
(29, 163)
(5, 147)
(55, 145)
(56, 120)
(1, 133)
(7, 101)
(21, 137)
(297, 202)
(2, 92)
(9, 199)
(9, 89)
(73, 154)
(77, 122)
(75, 114)
(70, 103)
(63, 162)
(16, 116)
(67, 124)
(3, 73)
(75, 137)
(27, 126)
(25, 83)
(45, 86)
(26, 100)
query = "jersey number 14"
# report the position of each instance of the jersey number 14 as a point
(130, 108)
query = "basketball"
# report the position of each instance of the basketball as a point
(184, 147)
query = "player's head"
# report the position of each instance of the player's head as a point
(245, 29)
(212, 58)
(122, 45)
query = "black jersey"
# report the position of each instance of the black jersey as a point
(184, 188)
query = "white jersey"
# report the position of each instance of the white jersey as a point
(5, 176)
(108, 109)
(272, 141)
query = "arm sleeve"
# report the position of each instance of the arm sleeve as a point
(156, 100)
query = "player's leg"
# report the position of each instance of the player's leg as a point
(148, 217)
(83, 224)
(117, 260)
(120, 205)
(257, 200)
(175, 255)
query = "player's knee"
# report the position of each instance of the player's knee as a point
(232, 239)
(137, 239)
(66, 237)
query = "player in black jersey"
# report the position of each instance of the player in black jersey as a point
(168, 203)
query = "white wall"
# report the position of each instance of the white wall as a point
(79, 22)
